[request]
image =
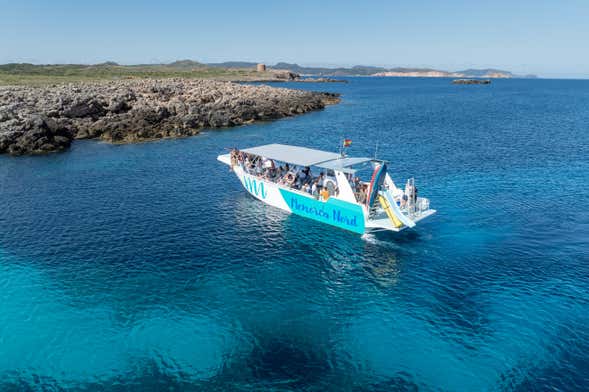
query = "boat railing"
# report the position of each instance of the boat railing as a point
(413, 207)
(417, 207)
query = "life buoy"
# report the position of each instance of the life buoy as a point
(330, 185)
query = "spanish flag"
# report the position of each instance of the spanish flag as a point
(347, 142)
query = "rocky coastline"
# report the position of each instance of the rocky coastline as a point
(36, 120)
(471, 81)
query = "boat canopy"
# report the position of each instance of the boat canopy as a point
(303, 156)
(343, 164)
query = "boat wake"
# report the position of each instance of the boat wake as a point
(372, 239)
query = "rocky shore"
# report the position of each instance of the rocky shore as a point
(37, 120)
(471, 81)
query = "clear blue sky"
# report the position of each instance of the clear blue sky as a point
(547, 37)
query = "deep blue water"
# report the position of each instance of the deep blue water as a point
(147, 267)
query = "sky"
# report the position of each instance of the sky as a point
(549, 38)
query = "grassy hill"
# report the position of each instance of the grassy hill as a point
(23, 73)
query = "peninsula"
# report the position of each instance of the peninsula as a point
(40, 119)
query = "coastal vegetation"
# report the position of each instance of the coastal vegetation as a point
(31, 74)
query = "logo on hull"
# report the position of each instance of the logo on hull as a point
(333, 211)
(254, 187)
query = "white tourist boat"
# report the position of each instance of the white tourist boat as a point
(283, 177)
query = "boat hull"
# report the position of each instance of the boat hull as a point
(335, 212)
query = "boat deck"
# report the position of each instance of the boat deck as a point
(382, 222)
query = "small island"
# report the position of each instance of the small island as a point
(471, 81)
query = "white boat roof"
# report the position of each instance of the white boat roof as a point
(303, 156)
(343, 164)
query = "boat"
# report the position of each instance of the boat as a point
(355, 194)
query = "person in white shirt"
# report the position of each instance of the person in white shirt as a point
(315, 189)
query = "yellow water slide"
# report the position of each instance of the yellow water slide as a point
(387, 208)
(393, 211)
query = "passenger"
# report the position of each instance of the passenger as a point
(307, 188)
(404, 200)
(259, 168)
(362, 194)
(268, 163)
(305, 175)
(301, 176)
(233, 156)
(270, 174)
(241, 158)
(324, 193)
(321, 180)
(315, 189)
(356, 184)
(297, 181)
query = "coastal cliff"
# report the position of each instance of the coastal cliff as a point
(37, 120)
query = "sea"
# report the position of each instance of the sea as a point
(147, 267)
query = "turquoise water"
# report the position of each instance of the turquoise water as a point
(147, 267)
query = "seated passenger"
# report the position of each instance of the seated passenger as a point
(279, 171)
(270, 174)
(324, 193)
(305, 175)
(307, 188)
(259, 168)
(267, 163)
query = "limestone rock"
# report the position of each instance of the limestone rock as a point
(42, 119)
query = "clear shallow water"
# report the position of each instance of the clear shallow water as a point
(144, 267)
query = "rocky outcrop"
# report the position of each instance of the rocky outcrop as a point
(471, 81)
(419, 74)
(43, 119)
(321, 80)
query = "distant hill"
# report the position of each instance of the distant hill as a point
(358, 70)
(481, 73)
(365, 70)
(185, 64)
